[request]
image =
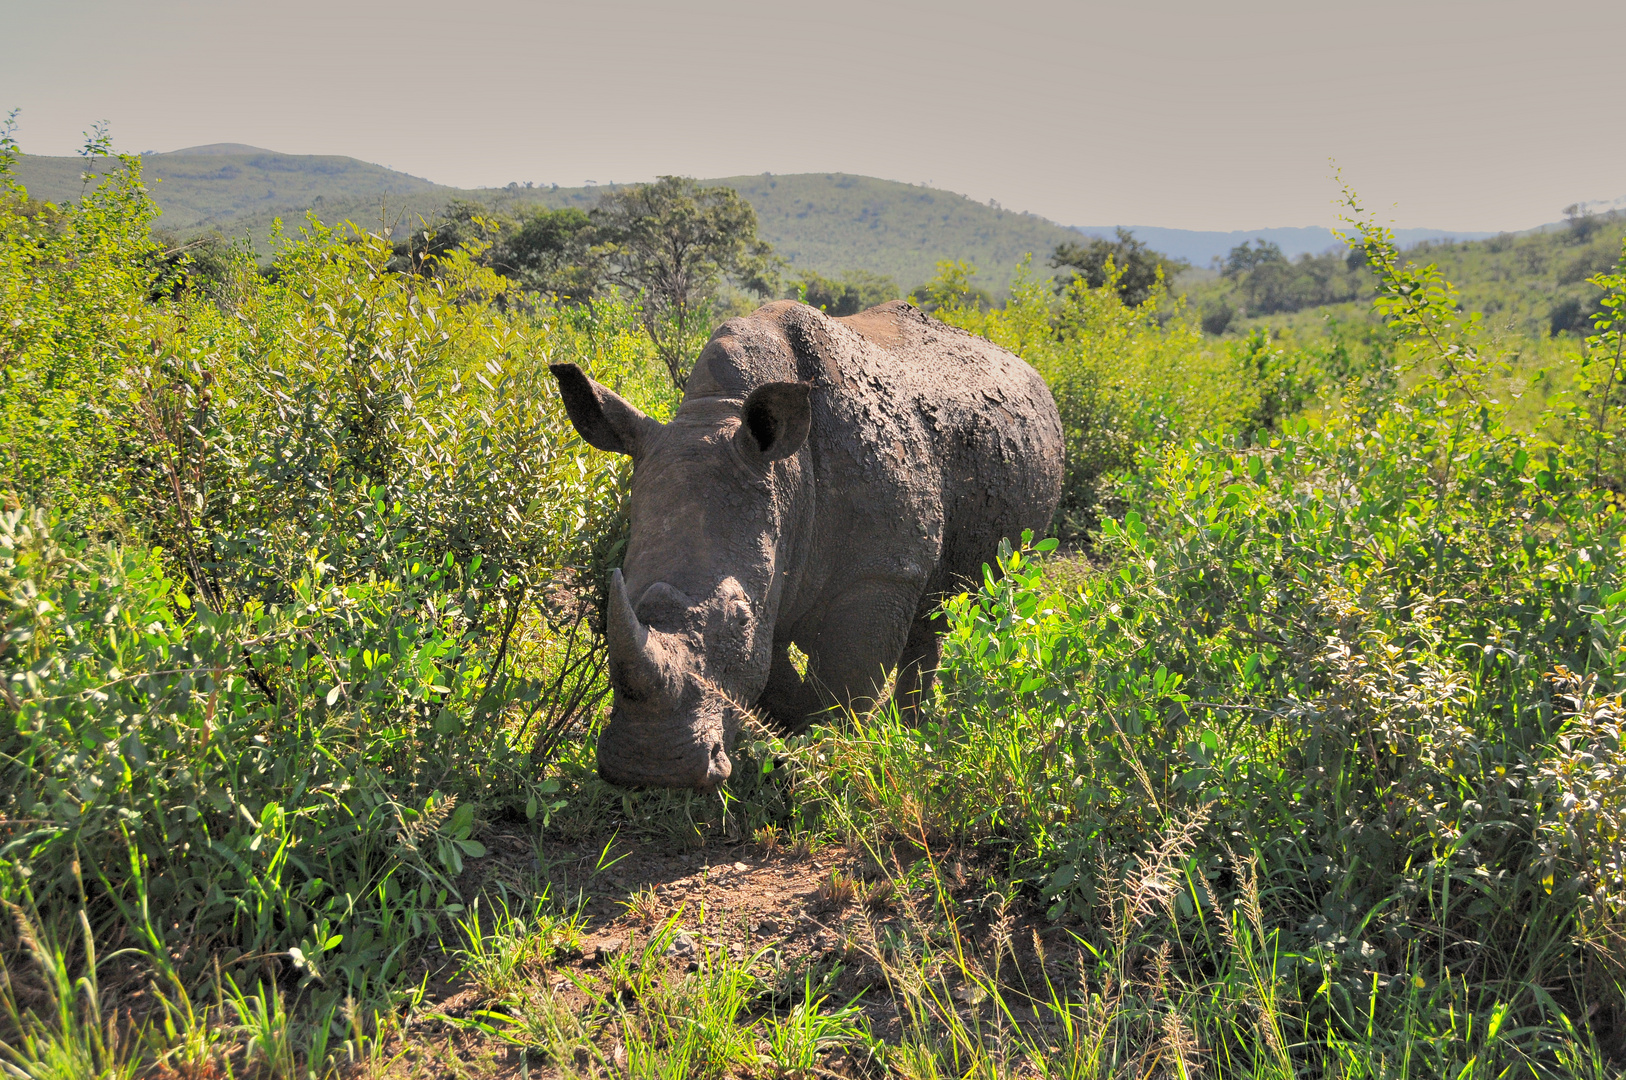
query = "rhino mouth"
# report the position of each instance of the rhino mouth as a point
(686, 762)
(686, 750)
(669, 727)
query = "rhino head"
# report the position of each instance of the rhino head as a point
(691, 612)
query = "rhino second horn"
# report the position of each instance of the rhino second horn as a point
(632, 654)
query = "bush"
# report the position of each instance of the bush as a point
(73, 307)
(271, 555)
(148, 746)
(1570, 315)
(854, 291)
(296, 572)
(1134, 270)
(1267, 282)
(1217, 316)
(1125, 378)
(1349, 692)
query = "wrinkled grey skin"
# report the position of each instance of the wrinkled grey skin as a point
(823, 482)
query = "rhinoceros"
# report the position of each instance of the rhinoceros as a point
(823, 483)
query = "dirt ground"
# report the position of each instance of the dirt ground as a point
(823, 910)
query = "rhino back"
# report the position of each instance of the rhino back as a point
(993, 428)
(928, 445)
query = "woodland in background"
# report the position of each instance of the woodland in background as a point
(1310, 750)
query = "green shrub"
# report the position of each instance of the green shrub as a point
(74, 283)
(298, 580)
(142, 746)
(1126, 379)
(1368, 666)
(854, 291)
(1318, 756)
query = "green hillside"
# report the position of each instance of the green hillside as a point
(216, 187)
(1531, 284)
(832, 221)
(824, 222)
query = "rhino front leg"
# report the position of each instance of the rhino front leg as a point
(917, 668)
(790, 701)
(858, 641)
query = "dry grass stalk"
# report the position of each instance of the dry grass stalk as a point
(880, 895)
(1179, 1045)
(838, 890)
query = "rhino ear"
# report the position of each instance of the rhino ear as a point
(776, 419)
(601, 416)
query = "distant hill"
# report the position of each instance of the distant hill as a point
(215, 187)
(824, 222)
(832, 221)
(1200, 248)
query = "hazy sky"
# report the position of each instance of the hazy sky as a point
(1482, 115)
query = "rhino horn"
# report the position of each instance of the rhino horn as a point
(634, 658)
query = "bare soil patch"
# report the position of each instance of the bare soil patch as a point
(830, 911)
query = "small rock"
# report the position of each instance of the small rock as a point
(607, 949)
(682, 945)
(767, 927)
(740, 867)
